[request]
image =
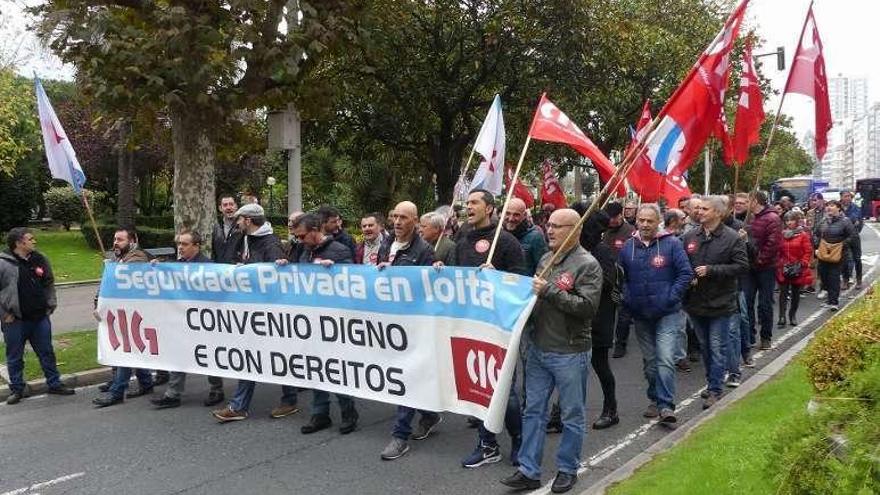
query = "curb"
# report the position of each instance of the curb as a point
(674, 438)
(74, 380)
(79, 283)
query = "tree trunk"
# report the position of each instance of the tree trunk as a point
(193, 190)
(125, 179)
(447, 154)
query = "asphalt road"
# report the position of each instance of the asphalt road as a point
(62, 445)
(75, 306)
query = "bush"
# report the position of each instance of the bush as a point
(65, 207)
(155, 221)
(148, 237)
(18, 199)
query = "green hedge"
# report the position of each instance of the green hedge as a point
(155, 221)
(148, 237)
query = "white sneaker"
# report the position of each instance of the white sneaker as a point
(822, 294)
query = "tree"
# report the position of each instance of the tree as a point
(19, 127)
(200, 61)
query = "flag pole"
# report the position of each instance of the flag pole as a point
(619, 176)
(781, 101)
(736, 178)
(510, 187)
(463, 174)
(94, 225)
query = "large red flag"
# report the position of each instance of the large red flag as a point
(520, 190)
(807, 77)
(749, 110)
(551, 192)
(550, 124)
(691, 115)
(722, 134)
(642, 178)
(674, 189)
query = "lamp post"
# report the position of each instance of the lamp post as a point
(270, 181)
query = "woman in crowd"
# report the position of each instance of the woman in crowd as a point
(831, 238)
(793, 271)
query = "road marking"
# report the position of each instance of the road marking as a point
(645, 428)
(870, 260)
(44, 484)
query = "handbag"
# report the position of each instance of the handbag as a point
(830, 252)
(792, 270)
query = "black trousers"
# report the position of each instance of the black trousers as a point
(830, 275)
(789, 297)
(602, 367)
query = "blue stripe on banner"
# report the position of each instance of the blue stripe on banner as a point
(490, 296)
(666, 149)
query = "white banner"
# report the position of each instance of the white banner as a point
(414, 336)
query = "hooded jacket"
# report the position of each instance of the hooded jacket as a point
(328, 249)
(656, 276)
(724, 252)
(765, 236)
(533, 244)
(263, 246)
(418, 253)
(565, 308)
(616, 237)
(472, 249)
(797, 246)
(10, 277)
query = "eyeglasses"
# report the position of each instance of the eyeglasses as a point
(557, 226)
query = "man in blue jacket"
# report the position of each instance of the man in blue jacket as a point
(657, 276)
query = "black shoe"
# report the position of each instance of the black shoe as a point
(563, 482)
(61, 390)
(781, 322)
(165, 402)
(349, 422)
(104, 387)
(473, 422)
(14, 398)
(106, 401)
(213, 399)
(519, 481)
(683, 365)
(131, 394)
(162, 378)
(317, 423)
(606, 420)
(792, 321)
(619, 351)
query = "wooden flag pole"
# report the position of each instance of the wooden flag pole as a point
(513, 180)
(736, 178)
(94, 225)
(464, 172)
(619, 175)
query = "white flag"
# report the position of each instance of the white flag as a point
(59, 152)
(490, 144)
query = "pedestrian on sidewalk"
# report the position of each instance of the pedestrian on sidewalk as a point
(657, 274)
(718, 256)
(559, 351)
(27, 299)
(765, 236)
(619, 231)
(831, 239)
(793, 270)
(854, 253)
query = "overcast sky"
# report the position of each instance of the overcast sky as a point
(844, 25)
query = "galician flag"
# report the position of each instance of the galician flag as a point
(490, 145)
(59, 152)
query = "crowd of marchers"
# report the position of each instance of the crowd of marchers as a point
(695, 283)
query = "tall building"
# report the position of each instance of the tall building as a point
(848, 97)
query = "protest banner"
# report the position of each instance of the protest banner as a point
(414, 336)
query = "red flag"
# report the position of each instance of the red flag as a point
(807, 77)
(550, 124)
(674, 189)
(520, 190)
(550, 191)
(749, 110)
(691, 114)
(722, 134)
(642, 178)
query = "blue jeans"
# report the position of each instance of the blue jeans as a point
(659, 340)
(761, 284)
(403, 422)
(713, 334)
(512, 416)
(321, 403)
(681, 349)
(244, 393)
(39, 334)
(745, 335)
(733, 353)
(568, 373)
(121, 377)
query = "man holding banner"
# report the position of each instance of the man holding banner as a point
(559, 354)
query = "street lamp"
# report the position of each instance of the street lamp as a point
(270, 181)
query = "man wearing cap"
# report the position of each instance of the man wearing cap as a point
(258, 245)
(619, 231)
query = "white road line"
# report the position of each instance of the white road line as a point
(43, 484)
(645, 428)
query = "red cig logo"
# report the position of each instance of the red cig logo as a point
(130, 333)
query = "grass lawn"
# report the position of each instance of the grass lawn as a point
(72, 259)
(728, 454)
(74, 351)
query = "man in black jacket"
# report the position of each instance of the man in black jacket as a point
(226, 236)
(320, 248)
(718, 255)
(406, 248)
(472, 249)
(189, 250)
(331, 223)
